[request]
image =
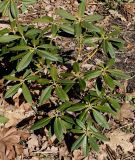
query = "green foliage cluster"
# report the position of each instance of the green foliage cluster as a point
(37, 63)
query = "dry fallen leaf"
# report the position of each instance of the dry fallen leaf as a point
(77, 155)
(119, 138)
(9, 140)
(126, 111)
(32, 142)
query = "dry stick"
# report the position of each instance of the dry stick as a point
(79, 48)
(92, 53)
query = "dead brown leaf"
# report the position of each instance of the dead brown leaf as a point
(119, 138)
(126, 111)
(32, 142)
(77, 155)
(9, 140)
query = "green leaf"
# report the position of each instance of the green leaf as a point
(68, 119)
(118, 74)
(105, 108)
(41, 123)
(80, 124)
(53, 73)
(85, 147)
(49, 56)
(46, 94)
(77, 131)
(25, 61)
(11, 78)
(100, 136)
(114, 103)
(100, 119)
(54, 30)
(92, 74)
(78, 29)
(109, 81)
(20, 48)
(78, 142)
(68, 28)
(105, 46)
(8, 38)
(65, 14)
(111, 50)
(13, 9)
(110, 63)
(82, 84)
(26, 93)
(76, 67)
(44, 19)
(3, 119)
(93, 144)
(93, 18)
(58, 129)
(43, 81)
(77, 107)
(61, 94)
(32, 78)
(81, 9)
(64, 106)
(12, 90)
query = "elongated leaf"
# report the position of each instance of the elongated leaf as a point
(20, 48)
(80, 124)
(93, 144)
(78, 142)
(58, 129)
(105, 108)
(43, 81)
(105, 46)
(114, 103)
(44, 19)
(82, 84)
(100, 136)
(12, 90)
(92, 74)
(46, 94)
(11, 78)
(26, 93)
(68, 119)
(77, 131)
(49, 56)
(110, 62)
(41, 123)
(76, 67)
(93, 18)
(13, 9)
(32, 77)
(3, 119)
(78, 29)
(61, 94)
(81, 9)
(109, 81)
(64, 106)
(77, 107)
(110, 49)
(85, 146)
(53, 73)
(8, 38)
(118, 74)
(68, 29)
(100, 119)
(65, 14)
(25, 61)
